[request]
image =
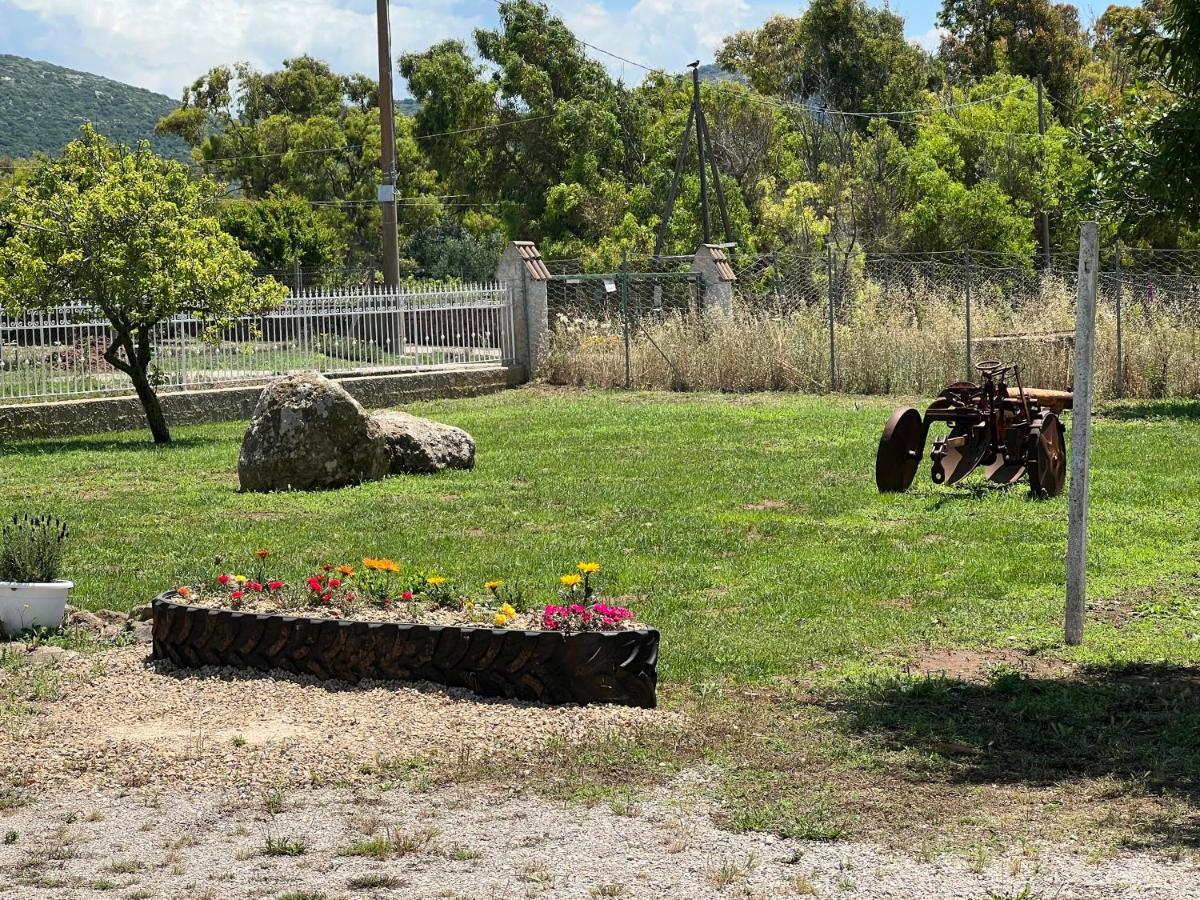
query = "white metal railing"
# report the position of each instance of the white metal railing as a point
(59, 353)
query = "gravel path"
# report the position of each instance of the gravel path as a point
(481, 843)
(143, 783)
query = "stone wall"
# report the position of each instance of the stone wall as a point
(76, 417)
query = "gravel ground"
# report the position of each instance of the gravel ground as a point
(140, 782)
(127, 721)
(489, 843)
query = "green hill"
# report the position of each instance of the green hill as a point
(42, 107)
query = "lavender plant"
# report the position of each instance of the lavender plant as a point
(31, 548)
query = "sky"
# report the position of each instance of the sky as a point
(164, 44)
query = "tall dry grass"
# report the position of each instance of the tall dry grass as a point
(909, 345)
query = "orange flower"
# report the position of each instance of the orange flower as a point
(262, 554)
(345, 570)
(184, 592)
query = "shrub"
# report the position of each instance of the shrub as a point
(31, 548)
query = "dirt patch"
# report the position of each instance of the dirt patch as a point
(765, 505)
(130, 721)
(980, 665)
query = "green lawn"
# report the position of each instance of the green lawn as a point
(747, 528)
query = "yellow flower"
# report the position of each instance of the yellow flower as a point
(493, 585)
(500, 619)
(372, 564)
(240, 579)
(507, 610)
(588, 568)
(435, 581)
(345, 570)
(570, 581)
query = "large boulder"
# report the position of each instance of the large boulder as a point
(422, 445)
(308, 434)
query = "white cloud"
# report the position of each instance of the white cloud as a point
(163, 44)
(931, 39)
(666, 33)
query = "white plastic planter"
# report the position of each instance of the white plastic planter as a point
(24, 606)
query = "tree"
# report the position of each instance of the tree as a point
(309, 132)
(841, 54)
(132, 234)
(1142, 145)
(1018, 37)
(284, 231)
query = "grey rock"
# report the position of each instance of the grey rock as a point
(307, 433)
(143, 632)
(81, 618)
(142, 613)
(50, 655)
(417, 445)
(12, 648)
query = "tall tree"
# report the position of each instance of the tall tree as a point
(134, 235)
(841, 54)
(1019, 37)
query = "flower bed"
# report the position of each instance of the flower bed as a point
(373, 622)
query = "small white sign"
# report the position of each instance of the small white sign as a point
(386, 193)
(610, 286)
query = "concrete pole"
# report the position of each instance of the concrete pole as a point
(1081, 431)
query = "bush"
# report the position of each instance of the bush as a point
(31, 548)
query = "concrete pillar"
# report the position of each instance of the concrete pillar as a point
(711, 263)
(522, 269)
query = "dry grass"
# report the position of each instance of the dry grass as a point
(905, 344)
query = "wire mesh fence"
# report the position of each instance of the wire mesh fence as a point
(907, 323)
(61, 353)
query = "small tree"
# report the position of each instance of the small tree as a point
(134, 235)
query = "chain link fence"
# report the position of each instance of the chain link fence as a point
(895, 323)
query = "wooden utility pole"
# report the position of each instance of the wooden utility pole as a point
(1045, 218)
(387, 135)
(1081, 431)
(700, 152)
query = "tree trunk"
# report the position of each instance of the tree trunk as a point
(151, 404)
(136, 364)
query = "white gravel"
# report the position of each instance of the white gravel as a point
(479, 842)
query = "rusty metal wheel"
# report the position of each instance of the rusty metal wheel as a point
(899, 452)
(1047, 457)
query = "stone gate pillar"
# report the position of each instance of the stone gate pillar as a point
(522, 269)
(717, 276)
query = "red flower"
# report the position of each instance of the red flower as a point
(275, 586)
(315, 584)
(236, 595)
(407, 595)
(335, 582)
(254, 586)
(327, 596)
(223, 579)
(327, 568)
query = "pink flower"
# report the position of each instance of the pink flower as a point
(326, 597)
(576, 609)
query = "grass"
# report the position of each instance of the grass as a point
(791, 596)
(747, 527)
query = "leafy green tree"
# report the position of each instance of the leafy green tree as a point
(1017, 37)
(530, 114)
(309, 132)
(283, 231)
(1142, 143)
(841, 54)
(450, 250)
(135, 235)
